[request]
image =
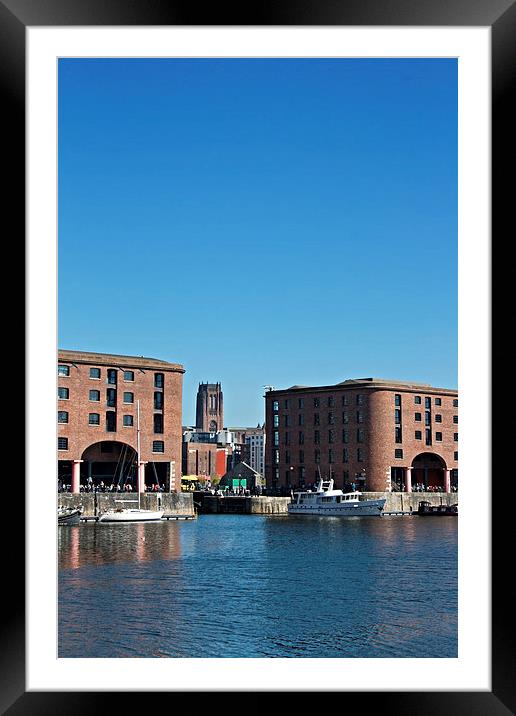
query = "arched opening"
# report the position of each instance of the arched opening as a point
(213, 426)
(109, 464)
(428, 472)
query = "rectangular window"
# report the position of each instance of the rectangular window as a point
(438, 437)
(158, 423)
(158, 446)
(360, 436)
(276, 473)
(398, 454)
(110, 422)
(456, 437)
(428, 403)
(128, 421)
(438, 418)
(317, 456)
(159, 381)
(62, 416)
(397, 416)
(345, 417)
(94, 395)
(417, 399)
(428, 437)
(455, 455)
(331, 418)
(316, 402)
(129, 375)
(397, 401)
(360, 455)
(95, 373)
(345, 436)
(438, 401)
(287, 421)
(287, 457)
(345, 400)
(301, 403)
(345, 455)
(158, 401)
(111, 397)
(301, 456)
(417, 417)
(331, 436)
(63, 370)
(275, 421)
(94, 419)
(330, 456)
(397, 435)
(301, 438)
(331, 401)
(455, 403)
(111, 376)
(360, 416)
(287, 438)
(455, 419)
(317, 437)
(275, 406)
(62, 443)
(427, 417)
(276, 457)
(128, 397)
(418, 435)
(360, 399)
(287, 404)
(300, 419)
(316, 419)
(63, 393)
(276, 438)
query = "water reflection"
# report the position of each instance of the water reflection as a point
(97, 544)
(249, 586)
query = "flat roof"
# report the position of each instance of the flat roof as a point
(117, 359)
(376, 383)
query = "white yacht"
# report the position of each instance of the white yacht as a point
(324, 500)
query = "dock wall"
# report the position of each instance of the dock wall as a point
(396, 502)
(174, 503)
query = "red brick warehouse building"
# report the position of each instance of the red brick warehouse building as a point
(97, 396)
(378, 434)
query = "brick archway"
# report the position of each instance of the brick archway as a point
(429, 470)
(109, 462)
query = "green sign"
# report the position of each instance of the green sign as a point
(239, 482)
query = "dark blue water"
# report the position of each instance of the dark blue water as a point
(255, 586)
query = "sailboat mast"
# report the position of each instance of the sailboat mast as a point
(138, 448)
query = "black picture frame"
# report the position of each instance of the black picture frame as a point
(500, 16)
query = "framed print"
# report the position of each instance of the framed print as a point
(458, 59)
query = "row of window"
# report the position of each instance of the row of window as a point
(157, 445)
(398, 454)
(438, 418)
(111, 393)
(63, 417)
(331, 419)
(360, 436)
(111, 375)
(359, 399)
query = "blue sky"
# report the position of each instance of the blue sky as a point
(282, 221)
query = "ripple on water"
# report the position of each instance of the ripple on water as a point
(246, 586)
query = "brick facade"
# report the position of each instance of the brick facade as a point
(90, 405)
(352, 432)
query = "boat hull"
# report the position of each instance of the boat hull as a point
(132, 516)
(71, 518)
(369, 508)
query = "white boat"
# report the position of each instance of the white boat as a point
(127, 514)
(324, 500)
